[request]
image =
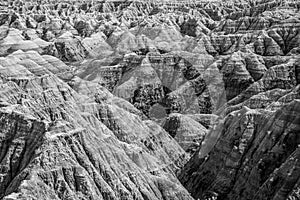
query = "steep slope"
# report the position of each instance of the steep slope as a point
(186, 131)
(256, 157)
(109, 99)
(57, 143)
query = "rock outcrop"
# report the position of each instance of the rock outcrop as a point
(149, 99)
(255, 157)
(58, 143)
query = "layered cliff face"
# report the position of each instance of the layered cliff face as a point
(188, 132)
(120, 99)
(253, 153)
(256, 157)
(58, 143)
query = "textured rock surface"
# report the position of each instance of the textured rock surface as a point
(187, 132)
(256, 157)
(149, 99)
(58, 143)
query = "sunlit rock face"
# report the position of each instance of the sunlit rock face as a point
(58, 142)
(255, 157)
(149, 100)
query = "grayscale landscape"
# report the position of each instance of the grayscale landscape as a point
(150, 100)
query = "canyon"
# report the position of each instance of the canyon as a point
(146, 100)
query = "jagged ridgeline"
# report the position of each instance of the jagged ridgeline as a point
(149, 100)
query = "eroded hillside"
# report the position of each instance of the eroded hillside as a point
(149, 100)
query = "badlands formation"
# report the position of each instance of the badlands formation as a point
(149, 100)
